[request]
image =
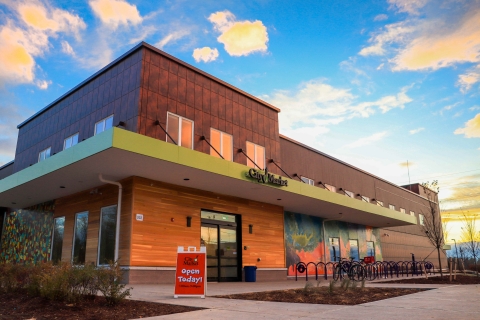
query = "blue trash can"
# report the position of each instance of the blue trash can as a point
(250, 273)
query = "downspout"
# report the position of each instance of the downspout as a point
(119, 209)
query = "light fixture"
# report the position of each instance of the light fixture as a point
(189, 222)
(279, 199)
(121, 124)
(186, 179)
(250, 228)
(62, 187)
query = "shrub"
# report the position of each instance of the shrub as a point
(109, 284)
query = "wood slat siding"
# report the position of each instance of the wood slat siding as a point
(156, 238)
(84, 201)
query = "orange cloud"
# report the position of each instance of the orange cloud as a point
(115, 12)
(205, 54)
(240, 38)
(437, 49)
(467, 80)
(471, 129)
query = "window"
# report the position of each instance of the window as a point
(104, 124)
(80, 238)
(366, 199)
(354, 250)
(349, 193)
(44, 154)
(70, 141)
(57, 239)
(421, 219)
(370, 249)
(391, 207)
(108, 225)
(223, 143)
(402, 210)
(412, 213)
(330, 188)
(180, 130)
(257, 154)
(380, 203)
(308, 181)
(334, 248)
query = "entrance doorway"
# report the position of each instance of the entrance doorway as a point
(221, 238)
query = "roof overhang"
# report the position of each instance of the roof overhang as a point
(119, 154)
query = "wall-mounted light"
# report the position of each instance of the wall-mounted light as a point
(250, 228)
(121, 124)
(189, 222)
(172, 219)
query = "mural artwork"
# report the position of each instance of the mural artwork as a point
(27, 234)
(304, 241)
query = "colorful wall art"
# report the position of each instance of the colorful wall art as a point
(304, 241)
(27, 234)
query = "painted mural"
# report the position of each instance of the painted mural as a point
(304, 241)
(26, 234)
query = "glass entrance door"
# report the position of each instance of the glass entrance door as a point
(222, 251)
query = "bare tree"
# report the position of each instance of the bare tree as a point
(432, 222)
(471, 238)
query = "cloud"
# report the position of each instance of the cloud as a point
(407, 164)
(467, 80)
(392, 33)
(43, 84)
(205, 54)
(408, 6)
(471, 129)
(318, 104)
(415, 131)
(10, 116)
(67, 48)
(240, 38)
(462, 194)
(474, 108)
(115, 12)
(172, 37)
(380, 17)
(367, 140)
(26, 35)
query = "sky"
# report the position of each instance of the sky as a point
(389, 86)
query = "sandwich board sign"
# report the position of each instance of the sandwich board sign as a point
(191, 272)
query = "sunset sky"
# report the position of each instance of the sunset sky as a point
(374, 83)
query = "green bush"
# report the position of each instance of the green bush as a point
(109, 284)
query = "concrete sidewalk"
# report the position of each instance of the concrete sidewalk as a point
(444, 302)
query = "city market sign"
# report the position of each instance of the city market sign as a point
(266, 177)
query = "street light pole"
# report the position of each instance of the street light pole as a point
(455, 247)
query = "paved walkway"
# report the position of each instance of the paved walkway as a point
(444, 302)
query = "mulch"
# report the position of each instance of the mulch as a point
(19, 305)
(321, 295)
(461, 279)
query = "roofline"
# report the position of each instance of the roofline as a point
(128, 53)
(7, 164)
(149, 46)
(347, 164)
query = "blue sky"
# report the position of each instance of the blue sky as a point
(373, 83)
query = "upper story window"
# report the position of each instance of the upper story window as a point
(308, 181)
(223, 143)
(257, 154)
(421, 219)
(412, 213)
(180, 129)
(379, 203)
(391, 207)
(349, 193)
(103, 124)
(70, 141)
(42, 155)
(366, 199)
(402, 210)
(330, 188)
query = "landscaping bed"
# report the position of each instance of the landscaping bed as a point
(461, 279)
(324, 295)
(19, 305)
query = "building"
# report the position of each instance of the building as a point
(180, 155)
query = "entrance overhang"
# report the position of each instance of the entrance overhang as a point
(119, 154)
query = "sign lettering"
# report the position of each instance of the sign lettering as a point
(266, 177)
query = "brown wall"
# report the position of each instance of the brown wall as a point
(168, 85)
(114, 90)
(155, 240)
(85, 201)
